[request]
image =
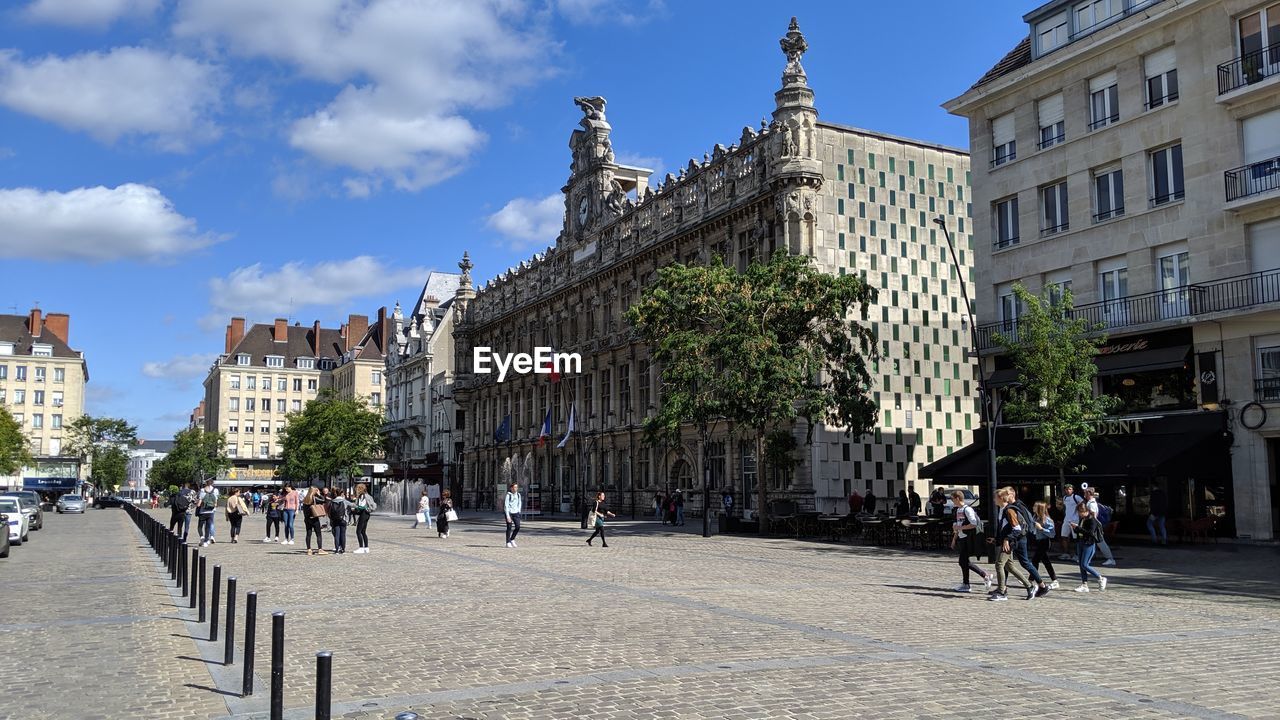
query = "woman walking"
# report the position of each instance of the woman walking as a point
(274, 515)
(1044, 532)
(289, 505)
(442, 520)
(312, 513)
(1088, 531)
(964, 532)
(424, 511)
(365, 506)
(596, 519)
(339, 508)
(236, 510)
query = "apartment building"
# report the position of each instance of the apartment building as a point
(1129, 150)
(42, 382)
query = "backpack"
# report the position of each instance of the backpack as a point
(1025, 519)
(1104, 514)
(181, 502)
(366, 504)
(209, 501)
(337, 512)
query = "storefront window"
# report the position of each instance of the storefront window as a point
(1171, 389)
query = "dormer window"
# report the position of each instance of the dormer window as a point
(1051, 34)
(326, 364)
(41, 350)
(275, 361)
(306, 363)
(6, 348)
(242, 359)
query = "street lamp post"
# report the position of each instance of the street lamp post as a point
(988, 404)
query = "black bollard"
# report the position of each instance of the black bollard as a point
(324, 684)
(173, 555)
(229, 651)
(182, 567)
(213, 605)
(250, 636)
(277, 665)
(201, 590)
(191, 584)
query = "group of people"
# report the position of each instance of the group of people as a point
(669, 508)
(444, 513)
(321, 507)
(1020, 529)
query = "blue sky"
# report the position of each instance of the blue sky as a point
(166, 164)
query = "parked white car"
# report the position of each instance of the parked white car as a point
(30, 508)
(16, 520)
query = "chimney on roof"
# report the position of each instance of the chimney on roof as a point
(357, 326)
(315, 337)
(60, 325)
(235, 333)
(431, 301)
(281, 333)
(33, 323)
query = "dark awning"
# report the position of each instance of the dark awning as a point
(1001, 378)
(1158, 359)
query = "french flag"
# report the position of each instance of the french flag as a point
(546, 429)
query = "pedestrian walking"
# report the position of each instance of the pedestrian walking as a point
(1043, 538)
(289, 507)
(1021, 544)
(275, 515)
(206, 506)
(1071, 517)
(680, 507)
(1159, 506)
(964, 533)
(424, 511)
(1008, 530)
(916, 504)
(180, 510)
(257, 501)
(1087, 531)
(236, 510)
(596, 520)
(339, 509)
(446, 516)
(512, 505)
(1091, 499)
(364, 507)
(657, 506)
(313, 512)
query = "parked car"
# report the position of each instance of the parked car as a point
(15, 520)
(4, 536)
(70, 504)
(30, 507)
(970, 500)
(106, 501)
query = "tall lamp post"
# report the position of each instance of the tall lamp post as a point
(988, 405)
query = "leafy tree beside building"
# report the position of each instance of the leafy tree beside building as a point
(14, 454)
(103, 444)
(196, 455)
(330, 438)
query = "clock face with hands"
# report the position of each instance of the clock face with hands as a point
(584, 207)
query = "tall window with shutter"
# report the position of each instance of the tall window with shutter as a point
(1052, 121)
(1003, 143)
(1104, 101)
(1161, 72)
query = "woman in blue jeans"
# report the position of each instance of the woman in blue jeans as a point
(1088, 531)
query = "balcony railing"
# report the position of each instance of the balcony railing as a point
(1253, 179)
(1005, 243)
(1249, 68)
(1266, 389)
(1055, 229)
(1108, 214)
(1232, 293)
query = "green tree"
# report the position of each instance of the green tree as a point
(102, 443)
(1053, 352)
(780, 341)
(196, 455)
(13, 444)
(330, 438)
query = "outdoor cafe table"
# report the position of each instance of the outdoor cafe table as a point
(876, 530)
(831, 526)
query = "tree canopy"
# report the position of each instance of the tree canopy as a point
(1053, 353)
(330, 438)
(103, 443)
(14, 454)
(760, 348)
(196, 454)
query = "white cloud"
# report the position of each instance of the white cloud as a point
(255, 291)
(95, 224)
(410, 73)
(88, 13)
(531, 220)
(598, 12)
(126, 91)
(181, 367)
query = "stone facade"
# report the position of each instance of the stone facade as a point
(853, 200)
(1179, 256)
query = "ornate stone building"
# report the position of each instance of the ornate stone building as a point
(854, 201)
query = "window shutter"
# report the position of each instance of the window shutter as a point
(1102, 82)
(1264, 245)
(1050, 110)
(1002, 130)
(1160, 62)
(1262, 137)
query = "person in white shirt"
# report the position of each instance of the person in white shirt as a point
(512, 505)
(964, 531)
(424, 508)
(1071, 506)
(206, 506)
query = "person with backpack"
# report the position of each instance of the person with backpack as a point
(446, 510)
(1102, 514)
(1088, 531)
(512, 504)
(180, 510)
(1021, 546)
(1043, 537)
(596, 520)
(313, 511)
(237, 508)
(365, 505)
(206, 506)
(274, 516)
(964, 534)
(1009, 530)
(289, 506)
(339, 508)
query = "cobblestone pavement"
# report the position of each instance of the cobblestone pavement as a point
(661, 624)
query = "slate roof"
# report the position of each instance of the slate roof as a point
(160, 446)
(258, 342)
(443, 286)
(1019, 56)
(13, 328)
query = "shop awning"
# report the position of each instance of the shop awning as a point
(1002, 378)
(1158, 359)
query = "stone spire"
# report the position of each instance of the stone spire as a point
(795, 92)
(465, 292)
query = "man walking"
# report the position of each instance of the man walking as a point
(180, 510)
(512, 506)
(206, 507)
(1008, 531)
(1071, 506)
(1027, 523)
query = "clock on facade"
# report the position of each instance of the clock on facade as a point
(584, 207)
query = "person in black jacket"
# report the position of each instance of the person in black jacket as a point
(869, 503)
(1088, 532)
(916, 505)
